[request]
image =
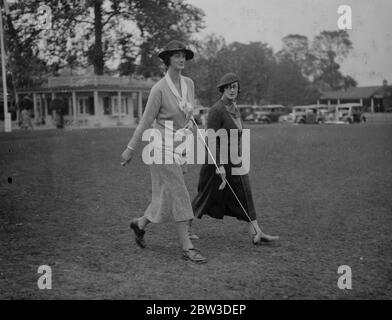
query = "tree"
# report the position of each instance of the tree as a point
(98, 31)
(160, 21)
(251, 62)
(23, 65)
(296, 48)
(349, 82)
(289, 87)
(332, 44)
(206, 69)
(329, 48)
(319, 60)
(254, 64)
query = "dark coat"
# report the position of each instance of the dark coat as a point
(212, 201)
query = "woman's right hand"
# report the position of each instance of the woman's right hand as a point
(221, 171)
(126, 156)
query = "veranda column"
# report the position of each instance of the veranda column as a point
(53, 96)
(119, 105)
(140, 105)
(43, 106)
(35, 107)
(74, 105)
(46, 107)
(97, 113)
(17, 108)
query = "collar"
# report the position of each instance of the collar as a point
(183, 104)
(231, 107)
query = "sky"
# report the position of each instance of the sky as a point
(370, 61)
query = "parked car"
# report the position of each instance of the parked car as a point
(286, 118)
(269, 113)
(289, 117)
(247, 112)
(350, 113)
(311, 114)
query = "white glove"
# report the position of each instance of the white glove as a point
(222, 172)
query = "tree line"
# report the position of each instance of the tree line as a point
(124, 37)
(294, 75)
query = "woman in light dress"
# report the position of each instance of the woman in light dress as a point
(169, 106)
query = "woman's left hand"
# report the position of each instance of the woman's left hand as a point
(126, 156)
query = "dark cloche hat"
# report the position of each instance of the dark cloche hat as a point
(176, 45)
(228, 78)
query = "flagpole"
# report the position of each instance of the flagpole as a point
(7, 119)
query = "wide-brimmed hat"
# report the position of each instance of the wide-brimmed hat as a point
(227, 79)
(174, 46)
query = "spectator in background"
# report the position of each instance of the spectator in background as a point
(25, 120)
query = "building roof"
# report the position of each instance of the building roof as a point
(353, 93)
(92, 82)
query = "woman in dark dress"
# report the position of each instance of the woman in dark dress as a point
(214, 197)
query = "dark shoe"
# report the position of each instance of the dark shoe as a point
(139, 234)
(193, 255)
(263, 237)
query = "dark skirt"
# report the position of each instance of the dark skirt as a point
(219, 203)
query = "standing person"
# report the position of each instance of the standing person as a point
(215, 198)
(25, 121)
(170, 105)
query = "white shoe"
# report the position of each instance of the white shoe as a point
(263, 237)
(193, 236)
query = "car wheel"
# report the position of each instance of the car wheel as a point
(348, 121)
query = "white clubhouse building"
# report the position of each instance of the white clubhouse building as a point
(91, 100)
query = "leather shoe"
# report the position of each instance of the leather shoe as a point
(263, 237)
(193, 255)
(139, 234)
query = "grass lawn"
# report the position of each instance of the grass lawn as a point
(326, 190)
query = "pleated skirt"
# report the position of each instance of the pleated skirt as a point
(219, 203)
(170, 198)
